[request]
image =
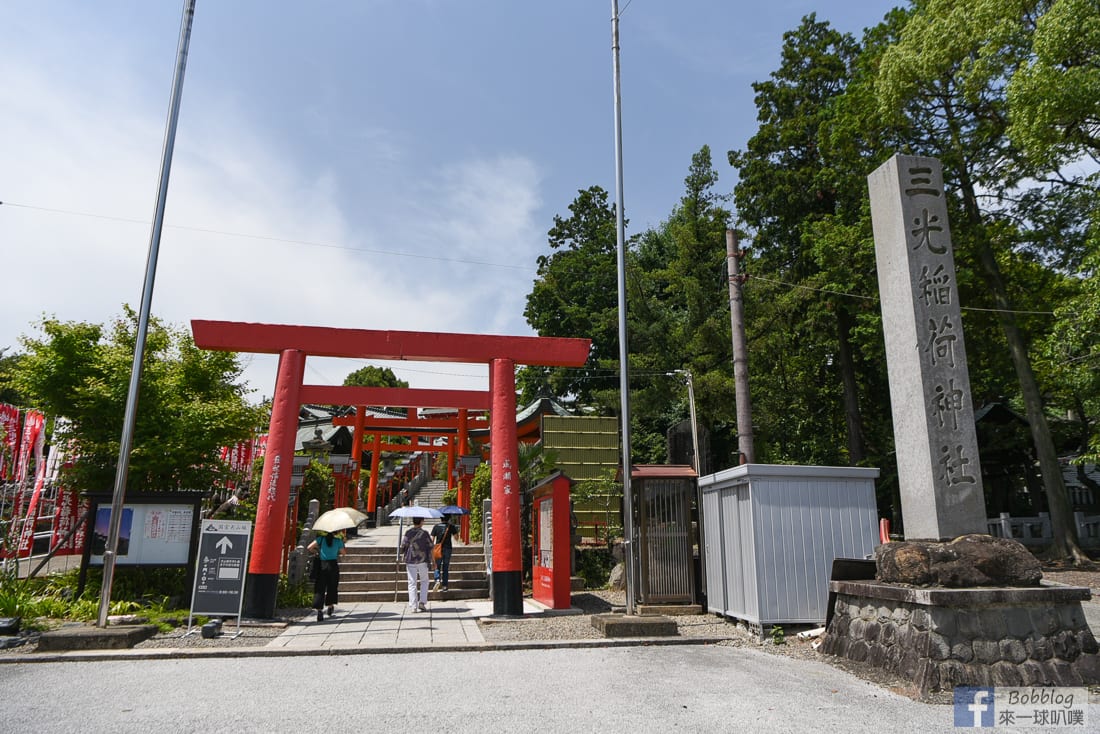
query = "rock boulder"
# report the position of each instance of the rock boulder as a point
(966, 561)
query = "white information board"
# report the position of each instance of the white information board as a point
(150, 534)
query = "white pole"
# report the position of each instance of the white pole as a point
(698, 463)
(130, 418)
(624, 382)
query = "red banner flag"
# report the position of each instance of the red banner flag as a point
(69, 508)
(32, 429)
(26, 537)
(9, 440)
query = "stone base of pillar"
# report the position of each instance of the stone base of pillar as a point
(942, 638)
(260, 593)
(507, 593)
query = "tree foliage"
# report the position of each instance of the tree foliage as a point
(575, 292)
(190, 403)
(371, 376)
(1005, 94)
(1054, 97)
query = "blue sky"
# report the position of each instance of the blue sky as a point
(381, 164)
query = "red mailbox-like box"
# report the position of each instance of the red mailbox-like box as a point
(552, 550)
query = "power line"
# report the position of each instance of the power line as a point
(309, 243)
(268, 238)
(874, 298)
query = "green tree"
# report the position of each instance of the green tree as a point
(803, 203)
(371, 376)
(1054, 97)
(481, 488)
(190, 403)
(679, 317)
(1070, 355)
(947, 75)
(317, 484)
(575, 295)
(8, 394)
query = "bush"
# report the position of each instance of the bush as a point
(480, 490)
(155, 593)
(16, 600)
(594, 566)
(299, 596)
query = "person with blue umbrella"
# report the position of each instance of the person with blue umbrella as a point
(442, 533)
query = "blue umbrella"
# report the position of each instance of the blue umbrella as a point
(453, 510)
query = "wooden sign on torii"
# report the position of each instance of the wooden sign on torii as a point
(294, 343)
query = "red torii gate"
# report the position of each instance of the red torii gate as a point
(403, 397)
(294, 343)
(456, 429)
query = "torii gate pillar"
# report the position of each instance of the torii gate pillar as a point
(271, 506)
(507, 541)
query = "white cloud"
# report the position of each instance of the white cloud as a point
(98, 150)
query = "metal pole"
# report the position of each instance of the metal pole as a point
(624, 382)
(698, 464)
(740, 352)
(126, 443)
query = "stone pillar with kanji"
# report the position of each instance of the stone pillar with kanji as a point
(936, 441)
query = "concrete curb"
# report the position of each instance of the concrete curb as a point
(177, 653)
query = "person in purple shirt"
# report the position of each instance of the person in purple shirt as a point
(417, 549)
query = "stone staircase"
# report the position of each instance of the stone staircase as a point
(373, 573)
(431, 494)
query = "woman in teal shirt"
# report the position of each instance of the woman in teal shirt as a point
(330, 548)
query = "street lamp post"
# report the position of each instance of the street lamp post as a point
(697, 462)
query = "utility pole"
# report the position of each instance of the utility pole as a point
(740, 350)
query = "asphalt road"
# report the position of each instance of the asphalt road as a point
(635, 689)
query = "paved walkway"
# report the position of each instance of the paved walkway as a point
(392, 624)
(446, 624)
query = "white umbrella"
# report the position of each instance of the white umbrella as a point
(354, 513)
(339, 519)
(402, 513)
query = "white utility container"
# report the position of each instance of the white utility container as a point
(771, 533)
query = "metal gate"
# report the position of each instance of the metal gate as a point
(667, 565)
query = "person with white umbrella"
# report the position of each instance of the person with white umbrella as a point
(329, 546)
(417, 547)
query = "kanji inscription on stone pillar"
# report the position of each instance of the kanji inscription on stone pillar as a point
(936, 441)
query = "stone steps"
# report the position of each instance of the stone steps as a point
(374, 574)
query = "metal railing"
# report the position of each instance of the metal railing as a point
(1036, 530)
(487, 540)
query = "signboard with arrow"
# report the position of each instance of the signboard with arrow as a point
(220, 569)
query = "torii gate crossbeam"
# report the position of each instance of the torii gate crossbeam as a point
(294, 344)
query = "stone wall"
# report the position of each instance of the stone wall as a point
(941, 638)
